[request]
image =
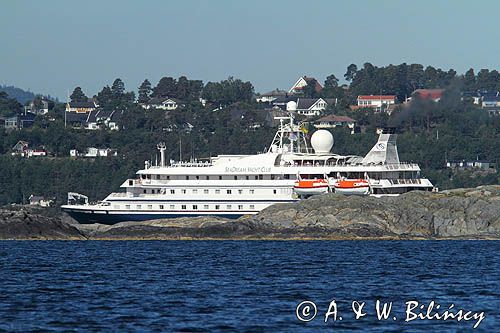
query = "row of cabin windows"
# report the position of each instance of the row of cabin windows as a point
(194, 207)
(220, 177)
(205, 191)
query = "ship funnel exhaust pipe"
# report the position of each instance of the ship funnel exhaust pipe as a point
(162, 147)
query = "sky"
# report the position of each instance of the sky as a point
(50, 47)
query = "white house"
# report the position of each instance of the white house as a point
(302, 82)
(377, 102)
(309, 106)
(94, 152)
(168, 104)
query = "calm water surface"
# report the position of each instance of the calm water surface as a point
(252, 286)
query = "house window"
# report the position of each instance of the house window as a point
(205, 206)
(172, 206)
(183, 207)
(240, 207)
(162, 207)
(252, 206)
(205, 191)
(127, 206)
(228, 191)
(217, 191)
(195, 207)
(130, 183)
(172, 191)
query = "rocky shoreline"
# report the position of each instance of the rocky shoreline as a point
(455, 214)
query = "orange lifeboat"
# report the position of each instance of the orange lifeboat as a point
(311, 186)
(352, 186)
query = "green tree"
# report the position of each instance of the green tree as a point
(349, 75)
(144, 92)
(118, 88)
(166, 87)
(78, 96)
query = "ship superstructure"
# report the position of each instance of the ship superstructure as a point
(235, 185)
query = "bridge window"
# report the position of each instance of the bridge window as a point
(205, 206)
(150, 206)
(207, 177)
(187, 177)
(252, 191)
(247, 177)
(183, 207)
(172, 191)
(144, 191)
(220, 177)
(195, 191)
(252, 206)
(195, 207)
(274, 191)
(217, 191)
(162, 207)
(172, 206)
(240, 207)
(240, 191)
(138, 206)
(228, 207)
(127, 206)
(228, 191)
(217, 207)
(183, 191)
(205, 191)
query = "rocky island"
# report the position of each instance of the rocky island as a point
(460, 213)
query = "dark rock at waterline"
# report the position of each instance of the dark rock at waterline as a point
(461, 213)
(26, 223)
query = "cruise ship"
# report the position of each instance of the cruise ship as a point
(231, 186)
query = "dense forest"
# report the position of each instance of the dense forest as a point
(429, 133)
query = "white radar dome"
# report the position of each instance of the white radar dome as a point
(322, 141)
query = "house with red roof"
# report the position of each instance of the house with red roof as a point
(304, 81)
(428, 94)
(377, 102)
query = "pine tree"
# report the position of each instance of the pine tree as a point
(78, 96)
(144, 92)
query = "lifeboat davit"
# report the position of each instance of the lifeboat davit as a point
(311, 186)
(352, 187)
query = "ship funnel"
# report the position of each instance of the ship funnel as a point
(385, 150)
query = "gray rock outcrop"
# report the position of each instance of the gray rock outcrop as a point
(461, 213)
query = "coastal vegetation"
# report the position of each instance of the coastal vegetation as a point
(224, 117)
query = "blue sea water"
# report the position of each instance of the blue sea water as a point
(244, 286)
